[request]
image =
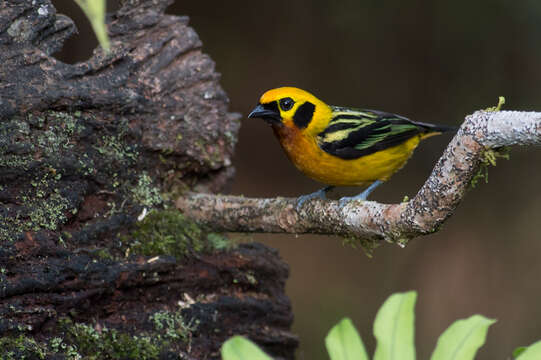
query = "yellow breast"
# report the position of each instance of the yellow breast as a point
(308, 157)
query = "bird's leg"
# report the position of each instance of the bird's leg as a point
(321, 194)
(362, 196)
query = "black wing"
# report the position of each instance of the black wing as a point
(353, 133)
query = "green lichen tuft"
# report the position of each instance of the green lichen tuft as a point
(368, 246)
(115, 148)
(50, 213)
(103, 254)
(110, 343)
(21, 347)
(145, 193)
(14, 154)
(501, 102)
(168, 232)
(46, 208)
(489, 158)
(173, 326)
(29, 147)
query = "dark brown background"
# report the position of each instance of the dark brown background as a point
(433, 61)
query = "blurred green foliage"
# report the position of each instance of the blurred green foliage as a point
(394, 331)
(95, 12)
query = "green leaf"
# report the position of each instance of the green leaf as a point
(462, 339)
(240, 348)
(394, 328)
(344, 343)
(533, 352)
(519, 351)
(95, 12)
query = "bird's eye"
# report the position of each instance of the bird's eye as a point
(286, 103)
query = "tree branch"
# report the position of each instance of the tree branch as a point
(371, 221)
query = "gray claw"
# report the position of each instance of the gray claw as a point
(321, 194)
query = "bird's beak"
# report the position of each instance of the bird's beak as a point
(269, 115)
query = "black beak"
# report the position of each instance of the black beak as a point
(269, 115)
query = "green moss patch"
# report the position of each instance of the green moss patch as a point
(110, 343)
(21, 347)
(168, 232)
(368, 246)
(173, 326)
(168, 332)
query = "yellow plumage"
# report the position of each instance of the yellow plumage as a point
(340, 146)
(305, 153)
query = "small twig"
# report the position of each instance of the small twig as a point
(398, 223)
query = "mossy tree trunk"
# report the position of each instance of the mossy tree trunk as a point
(94, 260)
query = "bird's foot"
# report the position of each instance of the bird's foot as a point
(362, 196)
(320, 194)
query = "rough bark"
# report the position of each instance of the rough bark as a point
(86, 150)
(369, 221)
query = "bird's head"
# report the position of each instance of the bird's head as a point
(293, 107)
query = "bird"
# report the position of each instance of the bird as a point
(340, 146)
